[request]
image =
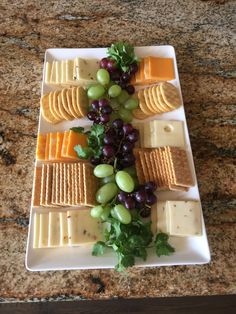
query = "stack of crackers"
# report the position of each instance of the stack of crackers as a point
(66, 104)
(157, 100)
(65, 184)
(167, 166)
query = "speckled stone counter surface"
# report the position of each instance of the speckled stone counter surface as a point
(202, 34)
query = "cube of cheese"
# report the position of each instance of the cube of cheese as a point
(185, 218)
(82, 228)
(159, 133)
(179, 218)
(85, 70)
(54, 229)
(161, 69)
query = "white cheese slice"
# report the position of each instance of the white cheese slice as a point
(162, 217)
(164, 133)
(36, 230)
(58, 71)
(43, 230)
(63, 229)
(54, 229)
(53, 73)
(48, 69)
(70, 72)
(63, 71)
(184, 218)
(82, 228)
(86, 69)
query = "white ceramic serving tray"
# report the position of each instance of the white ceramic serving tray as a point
(188, 250)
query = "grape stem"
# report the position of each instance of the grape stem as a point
(115, 163)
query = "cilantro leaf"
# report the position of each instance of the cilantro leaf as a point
(83, 152)
(123, 54)
(98, 248)
(78, 129)
(162, 245)
(97, 130)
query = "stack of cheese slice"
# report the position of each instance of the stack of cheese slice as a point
(67, 228)
(177, 218)
(77, 71)
(59, 146)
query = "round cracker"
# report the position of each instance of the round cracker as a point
(50, 97)
(170, 95)
(55, 104)
(65, 102)
(82, 101)
(139, 114)
(157, 110)
(45, 109)
(62, 110)
(148, 100)
(69, 103)
(161, 100)
(155, 97)
(74, 101)
(143, 105)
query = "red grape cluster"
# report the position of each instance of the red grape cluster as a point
(100, 111)
(118, 142)
(141, 199)
(121, 78)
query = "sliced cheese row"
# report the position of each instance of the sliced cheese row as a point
(75, 227)
(159, 133)
(177, 218)
(77, 71)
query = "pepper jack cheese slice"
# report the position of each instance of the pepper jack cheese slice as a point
(63, 229)
(69, 72)
(82, 228)
(86, 69)
(159, 133)
(54, 229)
(43, 230)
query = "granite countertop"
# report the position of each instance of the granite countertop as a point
(202, 34)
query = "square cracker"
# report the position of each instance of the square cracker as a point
(180, 166)
(37, 186)
(138, 166)
(81, 184)
(43, 185)
(157, 175)
(61, 184)
(54, 183)
(90, 185)
(49, 180)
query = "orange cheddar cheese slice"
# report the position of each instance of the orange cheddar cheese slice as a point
(139, 77)
(74, 139)
(40, 150)
(52, 146)
(60, 137)
(65, 143)
(160, 69)
(47, 146)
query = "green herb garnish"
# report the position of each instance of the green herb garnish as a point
(162, 245)
(95, 142)
(77, 129)
(123, 54)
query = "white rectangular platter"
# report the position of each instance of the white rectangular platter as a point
(188, 250)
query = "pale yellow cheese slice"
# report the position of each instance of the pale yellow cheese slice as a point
(43, 230)
(54, 229)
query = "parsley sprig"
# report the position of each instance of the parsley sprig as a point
(123, 54)
(162, 246)
(95, 141)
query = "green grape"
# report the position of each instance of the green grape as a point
(108, 179)
(125, 115)
(96, 91)
(114, 91)
(131, 103)
(106, 192)
(113, 117)
(103, 76)
(124, 181)
(113, 214)
(103, 170)
(106, 212)
(122, 214)
(96, 211)
(114, 104)
(131, 171)
(123, 97)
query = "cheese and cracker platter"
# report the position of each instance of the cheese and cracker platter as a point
(114, 181)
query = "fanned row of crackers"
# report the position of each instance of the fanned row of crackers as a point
(66, 104)
(167, 166)
(157, 99)
(65, 184)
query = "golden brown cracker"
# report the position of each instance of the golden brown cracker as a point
(90, 185)
(43, 185)
(74, 101)
(37, 186)
(62, 110)
(69, 103)
(170, 95)
(142, 104)
(148, 101)
(82, 101)
(45, 109)
(139, 114)
(55, 105)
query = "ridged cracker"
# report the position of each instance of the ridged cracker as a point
(170, 95)
(46, 112)
(62, 110)
(82, 101)
(37, 186)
